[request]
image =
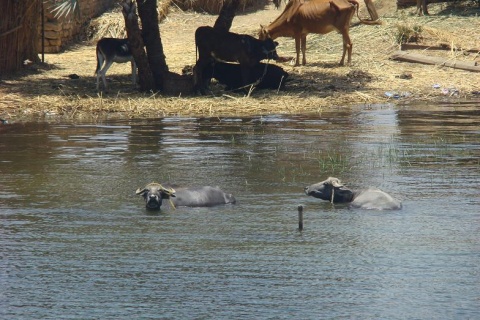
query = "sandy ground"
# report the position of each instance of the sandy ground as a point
(371, 78)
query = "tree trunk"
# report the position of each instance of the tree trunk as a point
(18, 33)
(227, 13)
(147, 10)
(135, 43)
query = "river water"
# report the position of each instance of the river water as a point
(77, 243)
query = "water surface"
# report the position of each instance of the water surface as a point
(76, 243)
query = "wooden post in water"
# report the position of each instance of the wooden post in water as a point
(300, 217)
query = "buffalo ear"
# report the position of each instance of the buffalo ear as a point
(345, 193)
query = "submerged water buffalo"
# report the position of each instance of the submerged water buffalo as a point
(334, 191)
(205, 196)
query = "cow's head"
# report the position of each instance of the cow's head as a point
(263, 33)
(154, 193)
(269, 50)
(270, 47)
(331, 190)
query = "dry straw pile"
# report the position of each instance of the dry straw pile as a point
(213, 6)
(112, 24)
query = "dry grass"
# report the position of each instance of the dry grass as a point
(46, 90)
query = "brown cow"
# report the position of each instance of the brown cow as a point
(300, 18)
(231, 47)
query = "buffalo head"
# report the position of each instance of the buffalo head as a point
(154, 193)
(331, 190)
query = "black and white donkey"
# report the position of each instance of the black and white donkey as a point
(110, 50)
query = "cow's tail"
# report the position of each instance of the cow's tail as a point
(368, 22)
(196, 47)
(196, 50)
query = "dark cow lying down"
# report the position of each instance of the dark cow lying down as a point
(269, 76)
(155, 193)
(334, 191)
(230, 47)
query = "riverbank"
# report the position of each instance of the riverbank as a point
(65, 85)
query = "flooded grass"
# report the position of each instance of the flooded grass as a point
(334, 162)
(440, 152)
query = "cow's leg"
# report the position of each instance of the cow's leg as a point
(201, 80)
(425, 10)
(304, 48)
(297, 49)
(196, 81)
(197, 78)
(350, 49)
(347, 47)
(419, 7)
(208, 72)
(245, 73)
(134, 73)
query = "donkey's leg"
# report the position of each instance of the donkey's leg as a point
(100, 61)
(103, 72)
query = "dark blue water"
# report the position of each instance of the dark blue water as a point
(77, 243)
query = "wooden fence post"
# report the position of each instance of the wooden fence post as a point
(300, 218)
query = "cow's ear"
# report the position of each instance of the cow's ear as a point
(275, 43)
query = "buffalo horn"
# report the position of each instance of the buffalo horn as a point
(140, 191)
(336, 183)
(169, 191)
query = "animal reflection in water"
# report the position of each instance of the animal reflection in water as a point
(204, 196)
(334, 191)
